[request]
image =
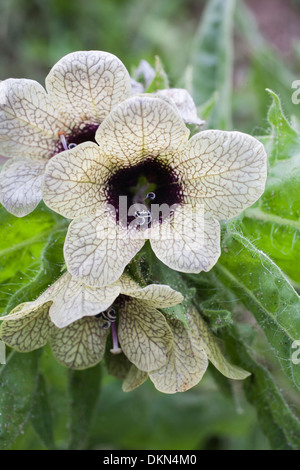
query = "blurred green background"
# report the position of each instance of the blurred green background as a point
(34, 34)
(265, 35)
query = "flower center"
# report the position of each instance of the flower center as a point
(150, 190)
(78, 136)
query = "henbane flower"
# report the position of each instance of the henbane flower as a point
(194, 346)
(177, 190)
(76, 320)
(36, 124)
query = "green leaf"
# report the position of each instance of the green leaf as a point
(22, 241)
(285, 139)
(212, 60)
(52, 262)
(84, 389)
(206, 109)
(41, 416)
(274, 222)
(217, 318)
(31, 260)
(57, 384)
(212, 306)
(18, 384)
(264, 290)
(160, 273)
(275, 417)
(160, 81)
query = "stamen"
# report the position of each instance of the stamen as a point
(116, 349)
(62, 137)
(141, 217)
(147, 186)
(111, 314)
(151, 196)
(106, 325)
(142, 195)
(71, 146)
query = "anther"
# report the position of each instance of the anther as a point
(71, 146)
(111, 313)
(151, 196)
(106, 325)
(142, 216)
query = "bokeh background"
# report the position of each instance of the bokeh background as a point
(34, 34)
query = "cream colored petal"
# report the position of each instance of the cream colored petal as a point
(86, 85)
(186, 364)
(76, 300)
(81, 344)
(134, 379)
(75, 181)
(156, 295)
(224, 170)
(21, 185)
(141, 126)
(21, 311)
(188, 241)
(207, 340)
(184, 103)
(27, 327)
(145, 337)
(53, 291)
(97, 249)
(29, 123)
